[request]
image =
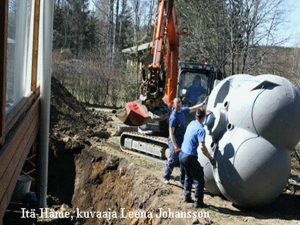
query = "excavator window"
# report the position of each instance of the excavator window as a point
(193, 87)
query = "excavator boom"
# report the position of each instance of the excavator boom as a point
(159, 86)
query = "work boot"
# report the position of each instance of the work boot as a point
(166, 181)
(200, 205)
(182, 183)
(188, 200)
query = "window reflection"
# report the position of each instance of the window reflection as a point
(19, 50)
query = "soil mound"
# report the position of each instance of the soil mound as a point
(72, 129)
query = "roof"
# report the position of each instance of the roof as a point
(138, 48)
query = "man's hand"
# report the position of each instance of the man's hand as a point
(213, 161)
(205, 100)
(177, 149)
(195, 107)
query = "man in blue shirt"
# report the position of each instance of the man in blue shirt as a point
(194, 137)
(177, 126)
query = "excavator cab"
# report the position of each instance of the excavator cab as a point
(195, 82)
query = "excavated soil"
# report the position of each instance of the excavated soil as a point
(88, 172)
(72, 129)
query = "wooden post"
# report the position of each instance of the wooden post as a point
(3, 63)
(35, 45)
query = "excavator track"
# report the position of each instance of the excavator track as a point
(145, 144)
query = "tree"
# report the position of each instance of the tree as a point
(90, 35)
(252, 24)
(125, 26)
(79, 12)
(208, 38)
(227, 32)
(74, 26)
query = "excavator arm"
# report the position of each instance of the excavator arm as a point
(172, 55)
(158, 88)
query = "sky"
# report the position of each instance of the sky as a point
(291, 28)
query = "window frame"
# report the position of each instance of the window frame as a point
(3, 63)
(35, 47)
(8, 120)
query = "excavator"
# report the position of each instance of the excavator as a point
(166, 79)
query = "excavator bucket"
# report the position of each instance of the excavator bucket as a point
(134, 114)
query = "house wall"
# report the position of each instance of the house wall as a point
(21, 68)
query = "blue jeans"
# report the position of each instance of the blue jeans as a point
(194, 174)
(173, 161)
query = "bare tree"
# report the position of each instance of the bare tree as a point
(208, 32)
(227, 32)
(136, 10)
(150, 17)
(252, 24)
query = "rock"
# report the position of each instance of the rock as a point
(64, 207)
(102, 134)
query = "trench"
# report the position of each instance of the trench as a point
(89, 181)
(61, 177)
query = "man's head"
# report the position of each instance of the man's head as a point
(177, 105)
(197, 81)
(200, 114)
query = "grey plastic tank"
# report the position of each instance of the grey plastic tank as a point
(257, 122)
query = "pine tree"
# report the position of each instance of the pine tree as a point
(74, 26)
(125, 26)
(90, 35)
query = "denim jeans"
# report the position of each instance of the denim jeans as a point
(194, 174)
(173, 161)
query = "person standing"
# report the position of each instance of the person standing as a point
(177, 127)
(194, 137)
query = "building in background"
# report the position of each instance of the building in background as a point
(137, 57)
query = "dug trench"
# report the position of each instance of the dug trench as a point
(89, 174)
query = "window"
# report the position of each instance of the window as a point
(195, 85)
(3, 43)
(40, 45)
(18, 55)
(19, 51)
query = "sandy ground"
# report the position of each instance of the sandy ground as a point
(285, 210)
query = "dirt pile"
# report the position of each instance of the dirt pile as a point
(72, 129)
(70, 117)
